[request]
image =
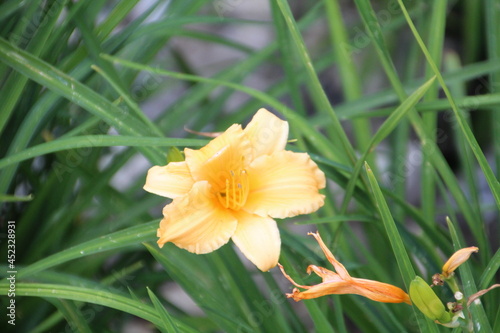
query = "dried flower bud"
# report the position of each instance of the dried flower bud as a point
(437, 280)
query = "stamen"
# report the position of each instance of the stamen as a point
(235, 193)
(227, 190)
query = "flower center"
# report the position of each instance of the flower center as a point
(235, 193)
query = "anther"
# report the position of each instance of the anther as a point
(235, 193)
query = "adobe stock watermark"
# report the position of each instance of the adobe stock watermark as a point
(90, 313)
(412, 163)
(264, 309)
(226, 6)
(39, 19)
(75, 157)
(11, 272)
(384, 17)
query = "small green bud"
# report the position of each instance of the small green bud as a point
(427, 302)
(175, 155)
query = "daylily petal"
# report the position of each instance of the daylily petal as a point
(258, 238)
(284, 184)
(334, 285)
(267, 133)
(196, 221)
(341, 270)
(322, 289)
(326, 274)
(290, 279)
(457, 259)
(343, 283)
(171, 181)
(380, 292)
(232, 144)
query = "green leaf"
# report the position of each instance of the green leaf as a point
(313, 84)
(92, 141)
(200, 279)
(397, 245)
(11, 92)
(384, 130)
(469, 136)
(120, 239)
(490, 271)
(349, 77)
(301, 124)
(73, 315)
(479, 318)
(436, 32)
(15, 198)
(429, 147)
(92, 296)
(75, 91)
(168, 323)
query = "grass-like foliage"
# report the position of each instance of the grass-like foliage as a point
(397, 102)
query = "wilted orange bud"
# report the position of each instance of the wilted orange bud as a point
(457, 259)
(342, 283)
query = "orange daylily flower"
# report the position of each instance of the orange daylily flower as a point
(233, 188)
(342, 283)
(457, 259)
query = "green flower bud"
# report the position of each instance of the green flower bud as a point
(174, 155)
(427, 302)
